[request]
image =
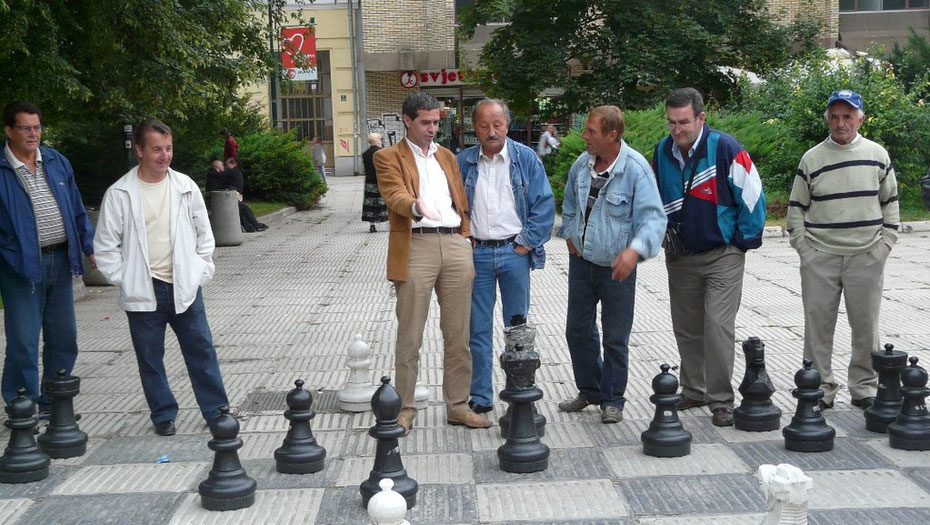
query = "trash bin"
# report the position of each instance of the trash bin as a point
(224, 217)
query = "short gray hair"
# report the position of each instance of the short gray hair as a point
(826, 112)
(484, 102)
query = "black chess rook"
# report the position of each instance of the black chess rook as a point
(227, 486)
(756, 412)
(808, 431)
(666, 437)
(386, 405)
(300, 453)
(22, 462)
(911, 429)
(888, 400)
(63, 438)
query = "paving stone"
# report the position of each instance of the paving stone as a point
(264, 471)
(901, 458)
(847, 516)
(846, 454)
(550, 501)
(425, 468)
(445, 439)
(630, 462)
(852, 422)
(102, 509)
(618, 521)
(166, 477)
(57, 474)
(629, 431)
(444, 504)
(580, 463)
(920, 475)
(181, 448)
(739, 519)
(864, 489)
(343, 506)
(12, 509)
(675, 495)
(280, 507)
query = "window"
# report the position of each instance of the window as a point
(307, 106)
(882, 5)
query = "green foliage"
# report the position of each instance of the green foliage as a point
(795, 97)
(557, 165)
(276, 167)
(626, 53)
(911, 63)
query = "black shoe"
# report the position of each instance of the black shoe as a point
(372, 229)
(686, 403)
(824, 405)
(864, 403)
(261, 227)
(165, 428)
(479, 409)
(723, 417)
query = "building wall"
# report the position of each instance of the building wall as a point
(863, 30)
(409, 34)
(384, 92)
(826, 10)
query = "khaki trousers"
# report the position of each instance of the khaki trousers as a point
(860, 279)
(440, 261)
(705, 290)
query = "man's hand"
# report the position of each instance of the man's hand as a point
(624, 264)
(571, 248)
(93, 262)
(425, 211)
(520, 249)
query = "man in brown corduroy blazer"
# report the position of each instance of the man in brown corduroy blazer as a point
(429, 248)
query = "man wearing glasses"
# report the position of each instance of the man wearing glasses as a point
(716, 212)
(43, 231)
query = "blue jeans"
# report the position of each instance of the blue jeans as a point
(599, 380)
(511, 272)
(47, 305)
(196, 342)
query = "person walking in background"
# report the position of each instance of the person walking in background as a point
(548, 142)
(44, 229)
(373, 207)
(230, 147)
(843, 220)
(154, 241)
(716, 212)
(319, 157)
(512, 211)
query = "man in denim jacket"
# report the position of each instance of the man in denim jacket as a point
(512, 211)
(612, 218)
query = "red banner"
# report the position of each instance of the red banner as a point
(298, 53)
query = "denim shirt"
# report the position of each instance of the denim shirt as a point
(532, 195)
(628, 211)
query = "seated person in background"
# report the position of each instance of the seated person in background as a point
(234, 181)
(216, 176)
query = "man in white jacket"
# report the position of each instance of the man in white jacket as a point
(154, 241)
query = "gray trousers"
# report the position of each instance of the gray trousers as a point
(705, 291)
(860, 278)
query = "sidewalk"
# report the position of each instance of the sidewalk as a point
(285, 304)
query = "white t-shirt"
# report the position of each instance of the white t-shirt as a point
(156, 209)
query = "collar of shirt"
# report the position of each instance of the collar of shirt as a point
(676, 151)
(12, 158)
(593, 159)
(852, 142)
(503, 154)
(419, 152)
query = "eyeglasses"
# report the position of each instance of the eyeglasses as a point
(673, 125)
(27, 129)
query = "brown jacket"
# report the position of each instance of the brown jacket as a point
(399, 182)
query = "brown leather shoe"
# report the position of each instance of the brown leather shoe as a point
(469, 419)
(723, 417)
(686, 403)
(405, 421)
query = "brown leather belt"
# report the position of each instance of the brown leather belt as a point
(436, 230)
(53, 247)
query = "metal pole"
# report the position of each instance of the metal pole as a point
(355, 169)
(273, 104)
(362, 93)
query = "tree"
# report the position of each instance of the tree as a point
(627, 53)
(92, 66)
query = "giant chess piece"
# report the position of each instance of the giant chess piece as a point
(300, 453)
(386, 406)
(356, 396)
(227, 487)
(808, 431)
(522, 452)
(387, 507)
(756, 413)
(421, 395)
(22, 462)
(63, 438)
(666, 437)
(911, 430)
(520, 335)
(787, 492)
(888, 400)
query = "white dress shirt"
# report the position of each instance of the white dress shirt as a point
(494, 213)
(434, 189)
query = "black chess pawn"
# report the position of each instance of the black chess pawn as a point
(756, 412)
(911, 430)
(666, 437)
(63, 438)
(386, 404)
(300, 453)
(522, 452)
(22, 462)
(227, 487)
(808, 431)
(888, 400)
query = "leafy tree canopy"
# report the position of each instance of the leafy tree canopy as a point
(626, 52)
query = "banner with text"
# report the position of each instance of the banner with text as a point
(298, 53)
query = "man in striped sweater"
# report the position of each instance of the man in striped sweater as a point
(843, 220)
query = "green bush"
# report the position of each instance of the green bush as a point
(276, 168)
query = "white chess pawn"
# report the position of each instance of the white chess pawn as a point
(356, 395)
(387, 507)
(421, 395)
(786, 490)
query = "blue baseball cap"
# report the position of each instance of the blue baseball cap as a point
(850, 97)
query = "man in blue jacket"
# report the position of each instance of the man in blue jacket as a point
(43, 231)
(512, 211)
(714, 201)
(612, 219)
